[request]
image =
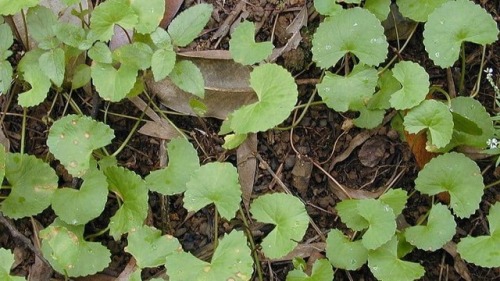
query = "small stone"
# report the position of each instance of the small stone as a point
(290, 162)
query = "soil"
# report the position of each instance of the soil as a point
(362, 160)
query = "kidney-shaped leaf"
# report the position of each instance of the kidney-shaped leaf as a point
(277, 94)
(321, 270)
(109, 13)
(415, 85)
(419, 10)
(149, 247)
(33, 183)
(434, 116)
(353, 30)
(350, 92)
(73, 138)
(386, 266)
(80, 206)
(456, 174)
(132, 191)
(113, 84)
(214, 183)
(188, 24)
(69, 254)
(289, 215)
(344, 253)
(396, 199)
(450, 25)
(439, 230)
(243, 47)
(183, 161)
(484, 250)
(40, 83)
(232, 260)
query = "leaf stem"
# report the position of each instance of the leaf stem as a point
(132, 132)
(97, 234)
(400, 51)
(23, 131)
(442, 91)
(462, 72)
(477, 86)
(216, 228)
(253, 248)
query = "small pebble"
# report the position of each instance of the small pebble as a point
(289, 162)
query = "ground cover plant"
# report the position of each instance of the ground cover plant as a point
(93, 198)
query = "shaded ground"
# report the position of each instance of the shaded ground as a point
(379, 159)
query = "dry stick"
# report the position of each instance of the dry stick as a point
(451, 84)
(17, 235)
(226, 25)
(287, 191)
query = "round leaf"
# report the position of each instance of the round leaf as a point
(187, 76)
(107, 14)
(353, 30)
(80, 206)
(112, 84)
(64, 248)
(456, 174)
(33, 183)
(214, 183)
(380, 8)
(277, 94)
(188, 24)
(484, 250)
(327, 7)
(415, 85)
(243, 47)
(433, 116)
(439, 230)
(289, 215)
(450, 25)
(183, 160)
(385, 265)
(348, 93)
(149, 247)
(387, 85)
(39, 82)
(419, 10)
(381, 220)
(321, 270)
(132, 191)
(344, 253)
(73, 138)
(396, 199)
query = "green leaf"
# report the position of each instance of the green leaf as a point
(32, 182)
(450, 25)
(9, 7)
(162, 62)
(107, 14)
(433, 116)
(72, 35)
(456, 174)
(5, 76)
(419, 10)
(327, 7)
(73, 138)
(484, 250)
(439, 230)
(243, 47)
(149, 16)
(41, 22)
(396, 199)
(7, 38)
(277, 94)
(53, 65)
(386, 266)
(368, 119)
(380, 8)
(161, 39)
(137, 55)
(231, 261)
(350, 92)
(387, 86)
(183, 161)
(214, 183)
(80, 206)
(321, 270)
(187, 76)
(65, 249)
(100, 52)
(132, 191)
(347, 210)
(232, 141)
(40, 83)
(81, 76)
(344, 253)
(70, 2)
(6, 261)
(474, 112)
(113, 84)
(289, 215)
(415, 85)
(353, 30)
(188, 24)
(149, 247)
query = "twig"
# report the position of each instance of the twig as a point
(17, 235)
